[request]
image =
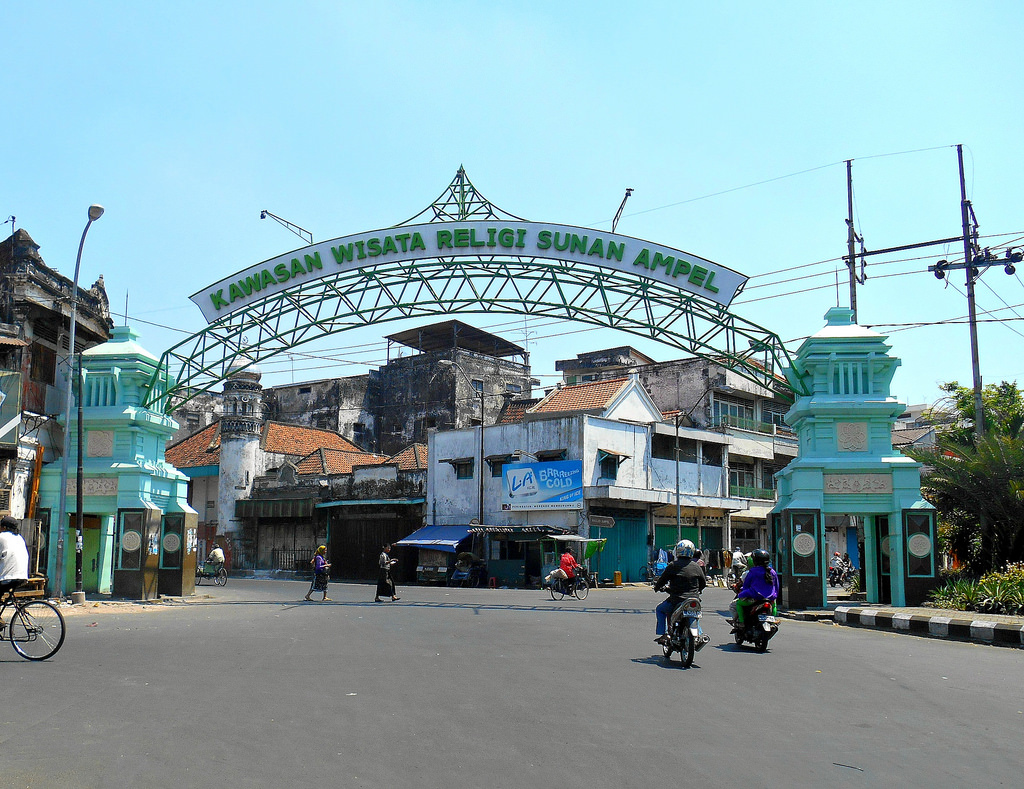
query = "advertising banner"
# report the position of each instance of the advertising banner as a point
(557, 485)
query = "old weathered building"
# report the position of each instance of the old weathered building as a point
(419, 388)
(35, 312)
(706, 394)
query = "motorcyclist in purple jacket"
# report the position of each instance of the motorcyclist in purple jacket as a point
(761, 583)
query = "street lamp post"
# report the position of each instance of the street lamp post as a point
(95, 212)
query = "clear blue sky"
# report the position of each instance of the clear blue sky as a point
(731, 122)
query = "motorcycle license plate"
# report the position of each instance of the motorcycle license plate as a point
(769, 619)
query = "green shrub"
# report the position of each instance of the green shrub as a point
(995, 593)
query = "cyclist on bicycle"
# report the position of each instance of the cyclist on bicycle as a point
(684, 578)
(568, 563)
(216, 559)
(13, 556)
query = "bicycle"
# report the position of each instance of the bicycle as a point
(576, 586)
(214, 571)
(35, 627)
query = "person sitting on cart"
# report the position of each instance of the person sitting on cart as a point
(215, 560)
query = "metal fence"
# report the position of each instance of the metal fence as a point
(293, 559)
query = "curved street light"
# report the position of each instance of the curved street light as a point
(95, 212)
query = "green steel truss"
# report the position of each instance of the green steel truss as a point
(490, 284)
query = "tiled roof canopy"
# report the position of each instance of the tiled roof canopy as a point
(203, 447)
(336, 461)
(412, 458)
(591, 396)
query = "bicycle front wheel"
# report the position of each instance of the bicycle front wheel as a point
(36, 630)
(582, 589)
(222, 577)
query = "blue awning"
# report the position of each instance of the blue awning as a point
(441, 538)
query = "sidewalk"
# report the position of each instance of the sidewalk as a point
(934, 622)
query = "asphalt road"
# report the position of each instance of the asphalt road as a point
(482, 688)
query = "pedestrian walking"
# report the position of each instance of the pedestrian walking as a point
(385, 582)
(321, 573)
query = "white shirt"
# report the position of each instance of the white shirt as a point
(13, 557)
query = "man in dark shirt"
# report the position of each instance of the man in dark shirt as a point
(684, 578)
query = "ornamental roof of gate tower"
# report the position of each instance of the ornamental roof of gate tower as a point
(456, 334)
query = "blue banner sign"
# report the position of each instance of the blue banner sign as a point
(557, 485)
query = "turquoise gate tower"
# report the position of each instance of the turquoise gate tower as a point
(846, 466)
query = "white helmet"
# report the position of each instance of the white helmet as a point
(683, 548)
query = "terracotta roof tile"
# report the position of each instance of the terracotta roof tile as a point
(202, 448)
(591, 396)
(412, 458)
(515, 410)
(337, 461)
(297, 440)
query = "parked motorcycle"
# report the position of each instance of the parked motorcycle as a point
(759, 626)
(684, 634)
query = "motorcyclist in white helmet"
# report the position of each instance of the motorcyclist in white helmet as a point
(684, 578)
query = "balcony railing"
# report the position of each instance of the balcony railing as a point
(753, 425)
(744, 492)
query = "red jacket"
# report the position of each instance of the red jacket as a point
(568, 564)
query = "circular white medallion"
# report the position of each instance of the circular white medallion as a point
(885, 545)
(804, 544)
(131, 541)
(919, 545)
(172, 543)
(781, 545)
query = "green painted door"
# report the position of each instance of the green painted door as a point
(91, 559)
(626, 550)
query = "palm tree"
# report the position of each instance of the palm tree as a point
(977, 483)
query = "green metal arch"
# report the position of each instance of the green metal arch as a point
(541, 288)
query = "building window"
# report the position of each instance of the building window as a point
(44, 364)
(358, 432)
(711, 454)
(549, 455)
(514, 388)
(609, 463)
(744, 534)
(770, 417)
(732, 409)
(478, 386)
(741, 476)
(463, 469)
(305, 390)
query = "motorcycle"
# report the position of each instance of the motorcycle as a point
(760, 624)
(684, 634)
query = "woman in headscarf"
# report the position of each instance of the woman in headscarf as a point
(321, 573)
(385, 583)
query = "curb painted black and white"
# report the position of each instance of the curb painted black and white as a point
(939, 626)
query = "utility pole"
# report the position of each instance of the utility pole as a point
(851, 240)
(975, 259)
(972, 275)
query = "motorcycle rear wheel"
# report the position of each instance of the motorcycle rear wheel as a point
(739, 639)
(686, 654)
(761, 643)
